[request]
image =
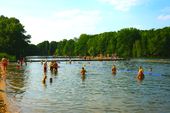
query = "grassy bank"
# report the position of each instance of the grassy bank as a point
(10, 57)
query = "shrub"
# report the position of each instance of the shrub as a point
(10, 57)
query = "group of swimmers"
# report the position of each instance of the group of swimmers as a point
(140, 74)
(53, 68)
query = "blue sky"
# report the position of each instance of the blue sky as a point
(55, 20)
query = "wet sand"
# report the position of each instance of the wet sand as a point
(4, 103)
(3, 98)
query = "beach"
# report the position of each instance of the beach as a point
(3, 98)
(4, 103)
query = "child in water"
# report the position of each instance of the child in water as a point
(140, 75)
(83, 71)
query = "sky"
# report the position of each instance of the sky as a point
(55, 20)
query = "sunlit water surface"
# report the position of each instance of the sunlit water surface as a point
(99, 92)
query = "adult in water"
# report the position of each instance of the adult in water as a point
(83, 71)
(140, 75)
(45, 66)
(83, 74)
(4, 63)
(55, 66)
(113, 69)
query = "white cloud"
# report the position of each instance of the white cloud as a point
(165, 14)
(63, 24)
(164, 17)
(122, 5)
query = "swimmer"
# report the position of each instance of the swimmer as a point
(113, 69)
(45, 67)
(55, 66)
(51, 65)
(140, 75)
(83, 71)
(4, 63)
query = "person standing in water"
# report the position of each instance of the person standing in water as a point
(113, 69)
(45, 66)
(140, 75)
(4, 63)
(55, 66)
(44, 78)
(83, 71)
(83, 74)
(51, 65)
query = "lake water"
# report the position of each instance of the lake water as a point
(99, 92)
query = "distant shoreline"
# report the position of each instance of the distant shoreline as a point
(72, 58)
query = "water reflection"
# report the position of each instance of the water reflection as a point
(17, 81)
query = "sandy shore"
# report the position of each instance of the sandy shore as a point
(4, 105)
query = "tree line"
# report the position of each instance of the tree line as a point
(127, 42)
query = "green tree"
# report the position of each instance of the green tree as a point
(53, 46)
(125, 40)
(81, 45)
(91, 45)
(44, 48)
(12, 36)
(69, 48)
(137, 49)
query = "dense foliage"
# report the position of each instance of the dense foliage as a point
(12, 37)
(128, 42)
